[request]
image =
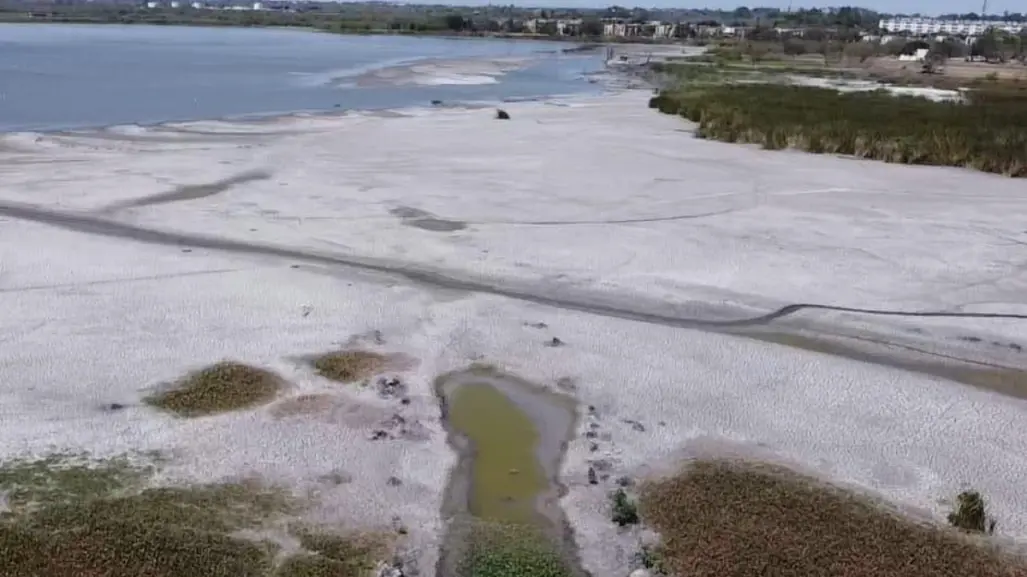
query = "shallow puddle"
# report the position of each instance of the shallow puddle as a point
(506, 475)
(503, 497)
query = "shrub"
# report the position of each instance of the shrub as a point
(348, 366)
(729, 519)
(971, 514)
(625, 511)
(226, 386)
(988, 132)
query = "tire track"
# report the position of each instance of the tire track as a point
(188, 192)
(557, 297)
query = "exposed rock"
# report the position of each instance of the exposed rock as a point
(593, 479)
(641, 573)
(635, 425)
(391, 387)
(554, 342)
(593, 447)
(113, 407)
(394, 481)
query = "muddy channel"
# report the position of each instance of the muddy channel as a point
(502, 503)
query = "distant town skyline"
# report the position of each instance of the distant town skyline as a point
(925, 7)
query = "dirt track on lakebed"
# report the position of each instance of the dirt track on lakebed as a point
(977, 370)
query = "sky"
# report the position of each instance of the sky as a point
(927, 7)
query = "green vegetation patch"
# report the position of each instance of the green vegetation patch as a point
(506, 475)
(971, 514)
(349, 366)
(503, 550)
(74, 517)
(330, 554)
(988, 132)
(68, 477)
(725, 519)
(225, 386)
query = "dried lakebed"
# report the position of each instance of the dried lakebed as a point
(502, 501)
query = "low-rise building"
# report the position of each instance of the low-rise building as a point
(928, 26)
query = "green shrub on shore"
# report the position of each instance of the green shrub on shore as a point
(971, 515)
(988, 132)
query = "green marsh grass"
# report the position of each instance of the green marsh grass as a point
(987, 132)
(727, 519)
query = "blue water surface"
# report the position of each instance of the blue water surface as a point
(68, 76)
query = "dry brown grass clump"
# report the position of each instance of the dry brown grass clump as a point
(349, 366)
(721, 519)
(226, 386)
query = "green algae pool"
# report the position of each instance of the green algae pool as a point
(506, 475)
(510, 435)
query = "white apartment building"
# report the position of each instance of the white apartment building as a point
(925, 26)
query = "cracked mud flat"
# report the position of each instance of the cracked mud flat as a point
(678, 331)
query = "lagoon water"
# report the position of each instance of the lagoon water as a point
(65, 76)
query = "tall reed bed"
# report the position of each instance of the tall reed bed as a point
(987, 131)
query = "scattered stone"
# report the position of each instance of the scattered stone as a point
(566, 384)
(590, 434)
(970, 339)
(592, 477)
(502, 114)
(555, 342)
(537, 325)
(394, 481)
(662, 423)
(404, 401)
(386, 570)
(601, 465)
(379, 435)
(592, 410)
(336, 478)
(391, 387)
(306, 310)
(187, 250)
(593, 426)
(1016, 347)
(436, 103)
(593, 447)
(625, 481)
(635, 425)
(294, 266)
(113, 407)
